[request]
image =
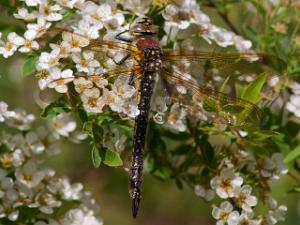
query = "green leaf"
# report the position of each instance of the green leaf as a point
(29, 65)
(98, 132)
(112, 159)
(252, 92)
(162, 173)
(264, 134)
(88, 127)
(104, 119)
(56, 108)
(280, 51)
(294, 190)
(96, 157)
(222, 89)
(82, 114)
(295, 153)
(281, 143)
(239, 89)
(210, 105)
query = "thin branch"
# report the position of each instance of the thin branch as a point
(294, 176)
(223, 16)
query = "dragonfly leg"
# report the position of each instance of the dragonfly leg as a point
(120, 62)
(122, 38)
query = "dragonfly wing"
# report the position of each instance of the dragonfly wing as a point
(108, 52)
(210, 104)
(216, 66)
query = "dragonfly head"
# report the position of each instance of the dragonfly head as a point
(143, 26)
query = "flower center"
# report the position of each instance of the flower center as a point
(28, 44)
(92, 102)
(42, 74)
(6, 160)
(27, 178)
(9, 45)
(241, 200)
(226, 185)
(224, 216)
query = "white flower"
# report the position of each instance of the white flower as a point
(116, 141)
(32, 2)
(294, 86)
(244, 199)
(130, 108)
(202, 192)
(81, 84)
(98, 81)
(294, 105)
(176, 117)
(79, 216)
(8, 212)
(13, 42)
(225, 214)
(276, 213)
(32, 144)
(63, 51)
(89, 30)
(171, 15)
(50, 12)
(45, 202)
(29, 42)
(74, 42)
(29, 175)
(21, 120)
(92, 101)
(60, 79)
(221, 36)
(246, 219)
(62, 125)
(122, 88)
(70, 191)
(67, 3)
(85, 62)
(48, 60)
(226, 183)
(4, 113)
(25, 15)
(101, 15)
(40, 27)
(274, 167)
(241, 44)
(114, 101)
(139, 7)
(6, 184)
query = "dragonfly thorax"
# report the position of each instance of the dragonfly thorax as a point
(152, 59)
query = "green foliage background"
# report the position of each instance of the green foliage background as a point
(163, 202)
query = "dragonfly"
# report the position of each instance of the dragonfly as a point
(157, 67)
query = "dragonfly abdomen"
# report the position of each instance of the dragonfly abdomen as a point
(151, 65)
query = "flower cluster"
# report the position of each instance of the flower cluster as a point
(76, 66)
(27, 184)
(229, 186)
(181, 15)
(236, 190)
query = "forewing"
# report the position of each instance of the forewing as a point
(213, 66)
(108, 52)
